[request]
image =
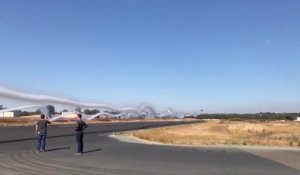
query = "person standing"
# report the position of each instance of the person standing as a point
(41, 131)
(80, 127)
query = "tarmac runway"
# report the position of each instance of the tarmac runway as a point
(108, 156)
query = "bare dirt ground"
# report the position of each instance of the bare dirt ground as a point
(225, 132)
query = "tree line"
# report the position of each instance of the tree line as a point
(19, 113)
(256, 116)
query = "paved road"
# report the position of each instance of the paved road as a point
(108, 156)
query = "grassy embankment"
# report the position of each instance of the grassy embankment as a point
(226, 132)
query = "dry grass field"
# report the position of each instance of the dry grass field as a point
(20, 121)
(225, 132)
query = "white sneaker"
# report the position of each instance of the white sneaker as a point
(77, 154)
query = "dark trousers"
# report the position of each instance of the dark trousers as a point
(41, 141)
(79, 140)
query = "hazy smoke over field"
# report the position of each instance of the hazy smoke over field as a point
(42, 109)
(22, 107)
(51, 99)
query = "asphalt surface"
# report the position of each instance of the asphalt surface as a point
(108, 156)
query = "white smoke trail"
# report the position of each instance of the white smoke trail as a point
(147, 108)
(125, 111)
(170, 110)
(43, 109)
(85, 117)
(104, 113)
(171, 113)
(56, 117)
(46, 98)
(21, 107)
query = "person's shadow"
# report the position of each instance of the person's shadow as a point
(56, 149)
(90, 151)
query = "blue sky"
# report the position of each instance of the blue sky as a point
(220, 56)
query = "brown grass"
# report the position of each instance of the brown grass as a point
(220, 132)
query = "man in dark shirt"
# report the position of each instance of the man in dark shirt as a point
(80, 127)
(41, 130)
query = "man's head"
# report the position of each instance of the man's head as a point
(42, 116)
(79, 116)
